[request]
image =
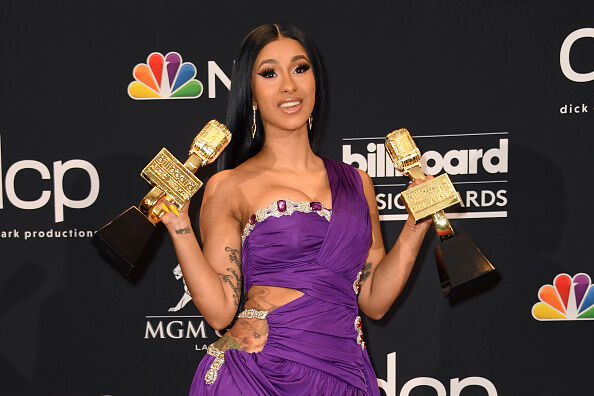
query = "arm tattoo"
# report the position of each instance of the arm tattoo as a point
(258, 299)
(234, 281)
(233, 255)
(366, 273)
(183, 231)
(233, 275)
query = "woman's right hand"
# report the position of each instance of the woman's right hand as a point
(175, 222)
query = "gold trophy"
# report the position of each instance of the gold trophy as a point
(460, 262)
(128, 241)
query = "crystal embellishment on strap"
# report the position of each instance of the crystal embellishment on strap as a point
(359, 329)
(252, 313)
(357, 283)
(211, 375)
(284, 207)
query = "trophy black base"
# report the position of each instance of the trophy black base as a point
(461, 265)
(127, 242)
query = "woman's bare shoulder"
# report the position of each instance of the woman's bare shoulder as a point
(231, 179)
(220, 193)
(225, 189)
(220, 182)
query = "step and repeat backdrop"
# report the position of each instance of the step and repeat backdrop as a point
(498, 95)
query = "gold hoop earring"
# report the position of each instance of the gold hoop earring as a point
(254, 108)
(310, 121)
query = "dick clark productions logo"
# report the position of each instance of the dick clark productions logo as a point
(566, 299)
(164, 77)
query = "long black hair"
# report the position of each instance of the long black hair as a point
(239, 107)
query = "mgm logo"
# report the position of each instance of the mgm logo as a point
(174, 326)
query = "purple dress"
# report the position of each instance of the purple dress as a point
(314, 344)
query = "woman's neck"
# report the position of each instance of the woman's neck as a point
(287, 149)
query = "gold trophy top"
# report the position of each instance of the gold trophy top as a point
(403, 150)
(208, 144)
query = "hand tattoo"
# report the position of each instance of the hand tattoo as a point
(248, 335)
(227, 342)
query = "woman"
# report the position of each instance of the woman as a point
(299, 232)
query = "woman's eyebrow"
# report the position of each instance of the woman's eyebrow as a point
(295, 58)
(267, 61)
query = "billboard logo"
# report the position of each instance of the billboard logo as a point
(164, 77)
(566, 68)
(567, 299)
(476, 162)
(454, 162)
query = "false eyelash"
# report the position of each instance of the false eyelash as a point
(268, 72)
(304, 67)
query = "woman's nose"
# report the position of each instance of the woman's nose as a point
(288, 85)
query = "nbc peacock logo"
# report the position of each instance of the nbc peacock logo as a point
(164, 77)
(566, 299)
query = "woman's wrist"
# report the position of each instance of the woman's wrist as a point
(182, 230)
(421, 227)
(181, 227)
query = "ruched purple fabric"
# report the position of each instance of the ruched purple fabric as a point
(312, 344)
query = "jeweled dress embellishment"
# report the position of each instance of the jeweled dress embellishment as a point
(252, 313)
(359, 329)
(357, 283)
(211, 375)
(285, 207)
(315, 205)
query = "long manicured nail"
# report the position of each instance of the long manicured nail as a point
(174, 209)
(165, 207)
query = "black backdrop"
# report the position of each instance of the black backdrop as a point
(461, 76)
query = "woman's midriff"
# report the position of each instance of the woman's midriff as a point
(250, 335)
